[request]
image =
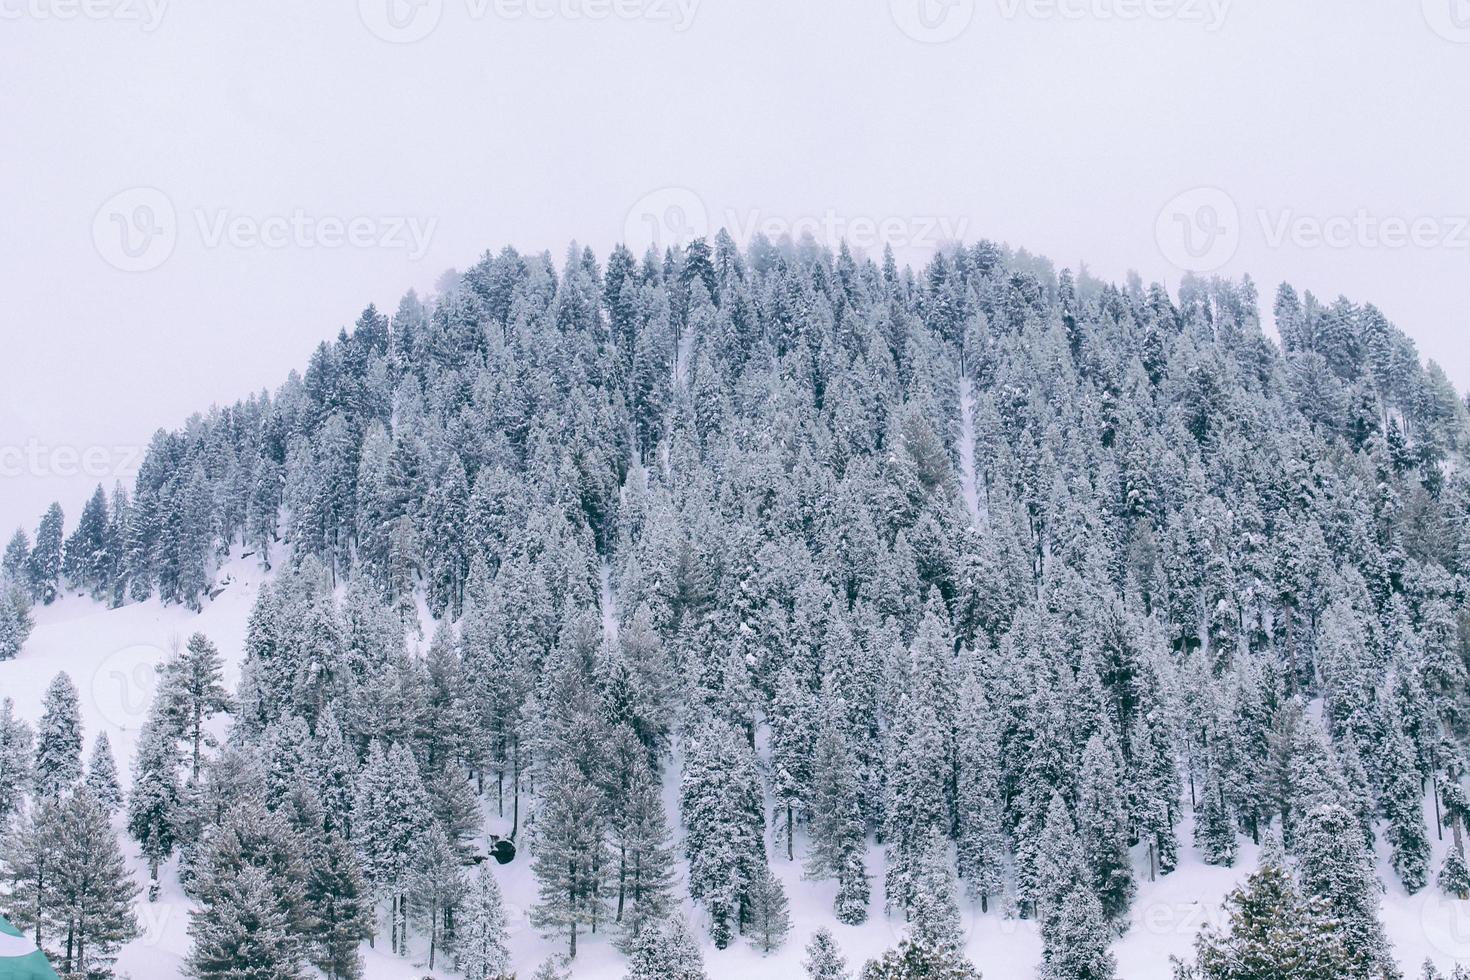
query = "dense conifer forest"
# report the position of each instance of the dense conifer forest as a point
(978, 591)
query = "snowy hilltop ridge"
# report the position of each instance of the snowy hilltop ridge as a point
(765, 612)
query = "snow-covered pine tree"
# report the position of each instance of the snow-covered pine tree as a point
(1214, 830)
(915, 958)
(1076, 946)
(824, 960)
(1335, 866)
(645, 857)
(15, 760)
(389, 816)
(1272, 932)
(193, 690)
(58, 762)
(724, 817)
(85, 562)
(28, 854)
(981, 843)
(436, 887)
(918, 763)
(480, 950)
(665, 951)
(768, 916)
(1454, 877)
(90, 887)
(1402, 801)
(16, 558)
(933, 912)
(43, 565)
(1103, 828)
(15, 619)
(793, 723)
(240, 930)
(339, 907)
(570, 858)
(837, 830)
(102, 775)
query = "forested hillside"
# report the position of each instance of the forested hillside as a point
(983, 592)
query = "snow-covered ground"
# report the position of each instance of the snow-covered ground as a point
(112, 655)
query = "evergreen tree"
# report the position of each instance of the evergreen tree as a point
(934, 914)
(102, 776)
(665, 951)
(90, 890)
(436, 888)
(58, 762)
(43, 565)
(27, 866)
(1102, 829)
(769, 913)
(193, 689)
(1076, 947)
(15, 760)
(980, 842)
(824, 961)
(838, 832)
(480, 951)
(1454, 877)
(1272, 932)
(1403, 807)
(1214, 830)
(15, 619)
(570, 856)
(153, 801)
(17, 558)
(86, 562)
(339, 908)
(724, 824)
(1336, 868)
(646, 860)
(389, 816)
(240, 932)
(914, 958)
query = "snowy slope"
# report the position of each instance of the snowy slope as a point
(112, 655)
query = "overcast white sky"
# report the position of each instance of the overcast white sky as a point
(196, 193)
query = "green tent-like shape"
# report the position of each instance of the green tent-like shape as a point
(19, 957)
